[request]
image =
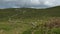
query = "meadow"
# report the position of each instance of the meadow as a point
(30, 21)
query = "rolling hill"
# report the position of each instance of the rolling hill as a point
(30, 21)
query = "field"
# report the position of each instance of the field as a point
(30, 21)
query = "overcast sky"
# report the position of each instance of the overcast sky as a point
(28, 3)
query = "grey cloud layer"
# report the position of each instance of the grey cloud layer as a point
(28, 3)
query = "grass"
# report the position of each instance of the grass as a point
(50, 26)
(30, 21)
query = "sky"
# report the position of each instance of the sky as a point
(28, 3)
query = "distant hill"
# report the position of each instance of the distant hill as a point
(55, 7)
(30, 11)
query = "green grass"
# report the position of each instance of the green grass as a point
(27, 20)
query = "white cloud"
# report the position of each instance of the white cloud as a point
(48, 3)
(52, 2)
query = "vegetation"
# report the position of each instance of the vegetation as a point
(30, 21)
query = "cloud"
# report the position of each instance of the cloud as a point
(35, 2)
(52, 2)
(49, 3)
(28, 3)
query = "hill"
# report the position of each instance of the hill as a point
(28, 20)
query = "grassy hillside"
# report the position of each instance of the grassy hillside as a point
(30, 21)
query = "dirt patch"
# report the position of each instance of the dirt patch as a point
(53, 23)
